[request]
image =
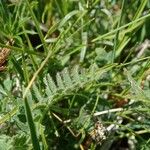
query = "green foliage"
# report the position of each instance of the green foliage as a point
(73, 63)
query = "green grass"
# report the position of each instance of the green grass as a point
(77, 75)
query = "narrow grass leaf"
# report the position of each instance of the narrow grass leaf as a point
(31, 124)
(67, 17)
(84, 48)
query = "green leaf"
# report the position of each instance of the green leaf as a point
(31, 124)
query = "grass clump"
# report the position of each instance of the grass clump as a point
(76, 75)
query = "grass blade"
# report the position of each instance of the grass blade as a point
(31, 124)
